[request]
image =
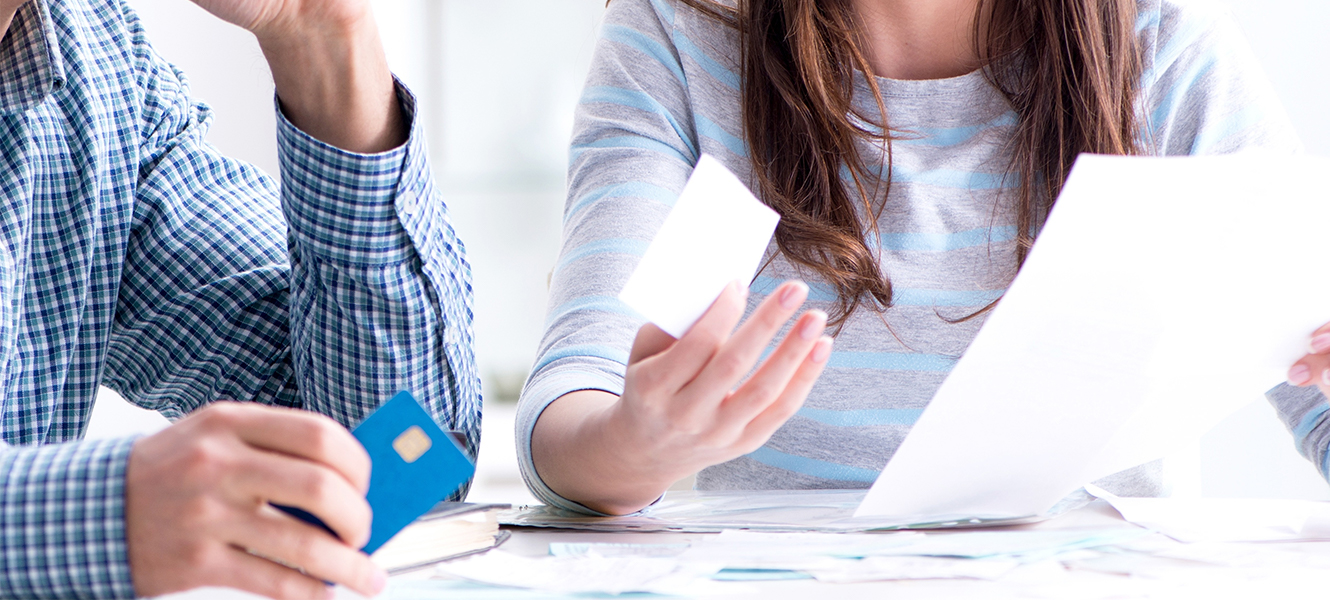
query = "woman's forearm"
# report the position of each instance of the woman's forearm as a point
(582, 456)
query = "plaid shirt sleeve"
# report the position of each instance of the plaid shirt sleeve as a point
(62, 521)
(380, 289)
(332, 294)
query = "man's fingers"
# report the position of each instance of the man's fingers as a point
(760, 428)
(276, 536)
(271, 580)
(299, 433)
(281, 479)
(743, 350)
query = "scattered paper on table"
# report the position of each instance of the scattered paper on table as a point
(697, 511)
(1024, 545)
(611, 550)
(767, 550)
(885, 568)
(716, 233)
(1248, 556)
(588, 574)
(1162, 294)
(1222, 519)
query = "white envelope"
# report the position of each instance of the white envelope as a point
(716, 233)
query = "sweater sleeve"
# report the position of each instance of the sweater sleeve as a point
(1203, 91)
(632, 150)
(1205, 94)
(1304, 413)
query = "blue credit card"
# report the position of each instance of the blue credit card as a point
(414, 465)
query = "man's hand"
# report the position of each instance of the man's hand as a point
(197, 512)
(329, 67)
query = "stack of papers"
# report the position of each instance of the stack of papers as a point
(741, 555)
(766, 510)
(449, 530)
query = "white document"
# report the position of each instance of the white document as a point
(581, 575)
(716, 233)
(889, 568)
(1223, 519)
(1162, 294)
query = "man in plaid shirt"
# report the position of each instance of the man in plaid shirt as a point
(133, 255)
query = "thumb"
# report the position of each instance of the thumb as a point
(650, 341)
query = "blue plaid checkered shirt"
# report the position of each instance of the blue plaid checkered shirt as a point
(133, 254)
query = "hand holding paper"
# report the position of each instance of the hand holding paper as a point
(689, 405)
(1163, 294)
(683, 407)
(715, 235)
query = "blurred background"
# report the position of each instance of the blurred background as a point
(497, 82)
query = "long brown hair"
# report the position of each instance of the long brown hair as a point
(1069, 69)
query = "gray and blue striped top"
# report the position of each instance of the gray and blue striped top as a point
(664, 88)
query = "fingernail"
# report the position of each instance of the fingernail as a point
(813, 325)
(822, 350)
(379, 581)
(1299, 375)
(1320, 343)
(1325, 377)
(793, 295)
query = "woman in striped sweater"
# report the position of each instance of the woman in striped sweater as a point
(912, 149)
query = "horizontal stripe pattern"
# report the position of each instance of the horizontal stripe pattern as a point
(1308, 422)
(663, 89)
(820, 469)
(821, 292)
(891, 361)
(632, 189)
(605, 246)
(586, 304)
(862, 417)
(945, 242)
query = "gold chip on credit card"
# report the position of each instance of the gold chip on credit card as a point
(412, 443)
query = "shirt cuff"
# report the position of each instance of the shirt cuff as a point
(352, 208)
(1306, 414)
(62, 534)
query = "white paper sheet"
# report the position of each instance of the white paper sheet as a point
(716, 233)
(827, 511)
(889, 568)
(1162, 294)
(1223, 519)
(583, 575)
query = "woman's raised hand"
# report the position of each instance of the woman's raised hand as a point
(686, 403)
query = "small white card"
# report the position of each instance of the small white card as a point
(716, 233)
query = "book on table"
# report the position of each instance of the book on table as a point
(447, 531)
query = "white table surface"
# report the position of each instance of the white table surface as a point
(1047, 579)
